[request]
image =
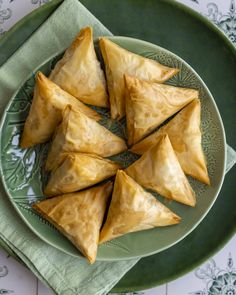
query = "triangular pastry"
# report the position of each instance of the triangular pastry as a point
(78, 171)
(133, 209)
(184, 132)
(79, 71)
(79, 133)
(46, 111)
(119, 61)
(159, 170)
(78, 216)
(149, 104)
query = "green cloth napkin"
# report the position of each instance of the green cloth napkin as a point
(64, 274)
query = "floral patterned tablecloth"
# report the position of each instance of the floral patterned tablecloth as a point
(217, 276)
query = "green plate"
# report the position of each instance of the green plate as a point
(28, 164)
(197, 41)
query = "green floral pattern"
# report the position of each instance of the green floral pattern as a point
(5, 14)
(217, 281)
(39, 2)
(226, 22)
(4, 273)
(5, 291)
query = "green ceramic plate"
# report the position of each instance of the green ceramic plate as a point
(195, 39)
(24, 177)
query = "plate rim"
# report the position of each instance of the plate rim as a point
(221, 126)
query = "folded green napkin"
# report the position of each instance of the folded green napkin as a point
(65, 275)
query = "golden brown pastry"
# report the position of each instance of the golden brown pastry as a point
(79, 133)
(149, 104)
(159, 170)
(119, 61)
(185, 135)
(79, 71)
(133, 209)
(78, 216)
(78, 171)
(46, 111)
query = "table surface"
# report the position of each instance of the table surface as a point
(217, 276)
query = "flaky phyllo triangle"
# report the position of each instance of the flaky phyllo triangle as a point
(149, 104)
(79, 133)
(158, 169)
(185, 135)
(119, 61)
(45, 114)
(79, 71)
(78, 171)
(78, 216)
(133, 209)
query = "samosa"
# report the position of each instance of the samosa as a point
(158, 169)
(119, 61)
(79, 171)
(79, 71)
(79, 133)
(133, 209)
(184, 131)
(149, 104)
(46, 110)
(78, 216)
